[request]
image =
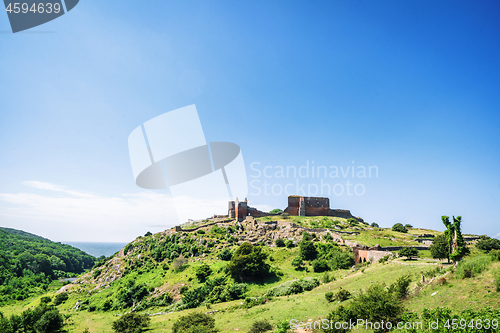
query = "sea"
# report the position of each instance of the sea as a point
(97, 249)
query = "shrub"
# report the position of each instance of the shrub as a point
(45, 300)
(289, 243)
(320, 265)
(280, 242)
(439, 248)
(307, 249)
(248, 262)
(107, 305)
(469, 267)
(400, 287)
(399, 228)
(148, 234)
(276, 211)
(326, 278)
(384, 259)
(250, 302)
(202, 272)
(408, 226)
(285, 216)
(496, 275)
(194, 323)
(495, 255)
(293, 287)
(51, 321)
(329, 296)
(297, 262)
(375, 225)
(130, 294)
(283, 327)
(342, 295)
(260, 326)
(131, 323)
(487, 244)
(225, 255)
(200, 232)
(96, 273)
(60, 298)
(179, 263)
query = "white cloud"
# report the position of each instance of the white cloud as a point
(67, 215)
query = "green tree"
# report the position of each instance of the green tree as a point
(408, 252)
(202, 272)
(308, 250)
(195, 323)
(280, 242)
(399, 228)
(276, 211)
(297, 262)
(456, 243)
(439, 248)
(487, 244)
(50, 322)
(225, 255)
(131, 323)
(375, 225)
(248, 262)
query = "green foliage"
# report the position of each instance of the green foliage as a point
(202, 272)
(131, 323)
(107, 305)
(453, 234)
(408, 226)
(375, 225)
(179, 263)
(495, 255)
(214, 290)
(408, 252)
(329, 296)
(28, 263)
(276, 211)
(148, 234)
(487, 244)
(320, 265)
(280, 242)
(297, 262)
(60, 298)
(328, 237)
(294, 287)
(399, 228)
(283, 327)
(45, 300)
(376, 304)
(326, 278)
(42, 319)
(289, 244)
(226, 254)
(250, 302)
(496, 282)
(195, 323)
(384, 259)
(260, 326)
(439, 248)
(400, 287)
(307, 249)
(248, 262)
(469, 267)
(130, 294)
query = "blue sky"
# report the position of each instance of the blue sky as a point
(408, 87)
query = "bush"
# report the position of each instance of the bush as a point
(250, 302)
(384, 259)
(326, 278)
(131, 323)
(60, 298)
(225, 255)
(375, 225)
(248, 262)
(399, 228)
(297, 262)
(202, 272)
(280, 242)
(400, 287)
(276, 211)
(179, 263)
(293, 287)
(439, 248)
(329, 296)
(260, 326)
(45, 300)
(495, 255)
(408, 226)
(487, 244)
(107, 305)
(469, 267)
(194, 323)
(307, 249)
(283, 327)
(320, 265)
(289, 243)
(50, 322)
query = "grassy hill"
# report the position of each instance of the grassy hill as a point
(147, 272)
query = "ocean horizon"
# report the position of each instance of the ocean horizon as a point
(97, 249)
